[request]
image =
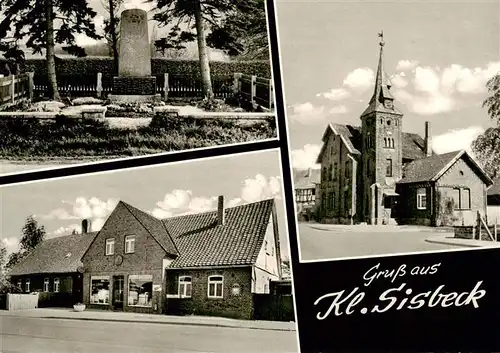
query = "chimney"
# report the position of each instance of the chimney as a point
(428, 139)
(220, 211)
(309, 172)
(86, 226)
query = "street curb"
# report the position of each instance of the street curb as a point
(164, 323)
(442, 242)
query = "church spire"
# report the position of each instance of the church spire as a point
(382, 98)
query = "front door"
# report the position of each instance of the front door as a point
(118, 287)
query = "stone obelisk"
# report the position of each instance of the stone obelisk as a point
(134, 82)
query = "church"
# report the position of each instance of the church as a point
(378, 174)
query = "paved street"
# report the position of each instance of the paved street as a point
(331, 242)
(28, 334)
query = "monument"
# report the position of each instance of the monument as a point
(134, 82)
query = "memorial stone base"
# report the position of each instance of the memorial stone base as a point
(127, 85)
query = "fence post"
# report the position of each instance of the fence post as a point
(99, 84)
(271, 94)
(478, 222)
(236, 82)
(165, 86)
(13, 89)
(253, 88)
(31, 85)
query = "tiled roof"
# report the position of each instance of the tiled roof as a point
(306, 179)
(55, 255)
(202, 242)
(155, 227)
(426, 169)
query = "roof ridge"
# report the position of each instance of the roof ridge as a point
(215, 211)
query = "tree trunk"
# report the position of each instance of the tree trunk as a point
(203, 51)
(114, 39)
(50, 55)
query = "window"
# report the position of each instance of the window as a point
(388, 122)
(110, 246)
(323, 201)
(346, 201)
(385, 142)
(332, 200)
(140, 290)
(20, 284)
(26, 285)
(129, 244)
(323, 174)
(56, 285)
(461, 198)
(185, 286)
(215, 285)
(346, 169)
(46, 283)
(388, 172)
(392, 143)
(455, 196)
(421, 199)
(330, 173)
(99, 290)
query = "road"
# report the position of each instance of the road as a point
(344, 242)
(27, 335)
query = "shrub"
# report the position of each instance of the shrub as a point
(90, 66)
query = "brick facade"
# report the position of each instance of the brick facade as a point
(334, 198)
(147, 259)
(235, 306)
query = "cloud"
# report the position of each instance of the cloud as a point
(67, 230)
(305, 157)
(360, 79)
(335, 94)
(434, 90)
(139, 4)
(339, 109)
(399, 80)
(183, 202)
(92, 208)
(11, 244)
(307, 113)
(406, 65)
(260, 188)
(455, 140)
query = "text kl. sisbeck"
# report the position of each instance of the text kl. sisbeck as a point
(400, 297)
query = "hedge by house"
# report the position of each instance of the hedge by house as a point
(159, 66)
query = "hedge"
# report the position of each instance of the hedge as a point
(92, 65)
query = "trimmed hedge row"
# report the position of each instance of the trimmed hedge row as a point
(91, 66)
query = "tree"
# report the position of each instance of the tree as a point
(111, 27)
(43, 23)
(32, 235)
(486, 147)
(243, 32)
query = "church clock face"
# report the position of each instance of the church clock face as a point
(388, 104)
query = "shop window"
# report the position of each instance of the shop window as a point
(46, 284)
(99, 290)
(215, 286)
(185, 286)
(129, 244)
(140, 290)
(56, 285)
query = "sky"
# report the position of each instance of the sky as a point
(164, 191)
(439, 55)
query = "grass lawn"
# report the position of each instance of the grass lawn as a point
(37, 139)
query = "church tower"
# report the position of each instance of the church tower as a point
(382, 147)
